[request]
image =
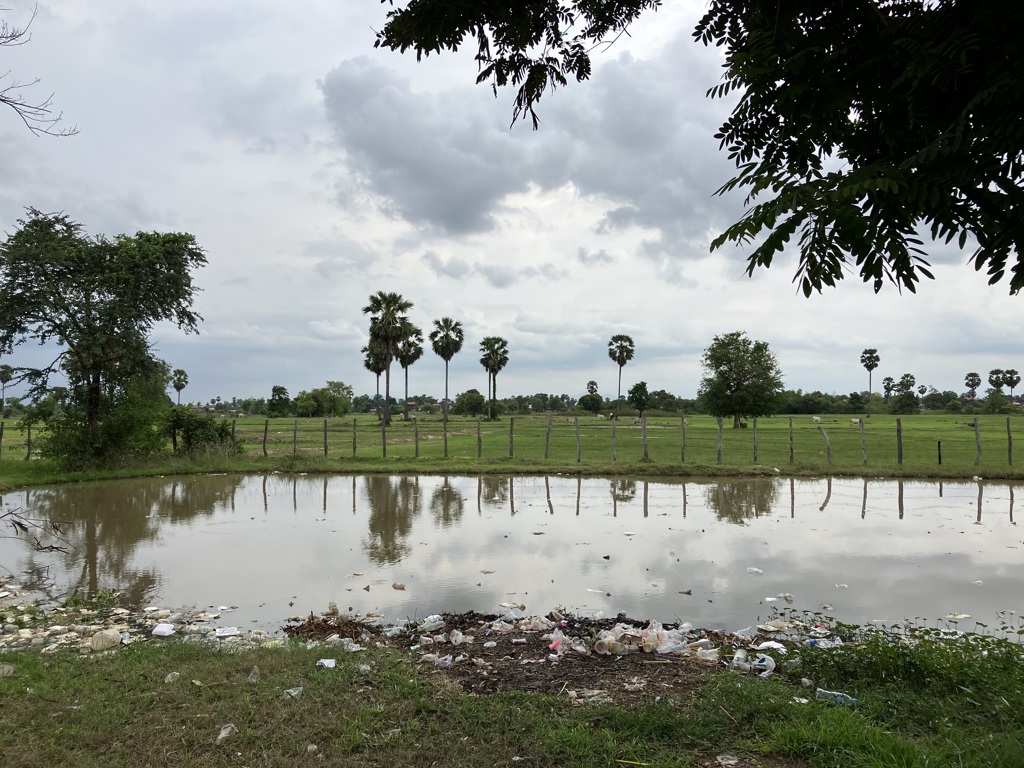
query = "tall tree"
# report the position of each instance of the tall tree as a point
(410, 349)
(97, 299)
(446, 340)
(373, 361)
(742, 377)
(6, 374)
(1011, 378)
(866, 122)
(280, 403)
(888, 385)
(494, 357)
(591, 387)
(995, 379)
(869, 359)
(972, 381)
(388, 326)
(639, 397)
(179, 380)
(620, 350)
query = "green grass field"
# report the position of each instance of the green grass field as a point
(781, 442)
(539, 443)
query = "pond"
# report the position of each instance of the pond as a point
(717, 554)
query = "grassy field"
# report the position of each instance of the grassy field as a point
(540, 444)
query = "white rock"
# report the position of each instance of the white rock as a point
(105, 639)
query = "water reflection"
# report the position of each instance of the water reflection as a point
(104, 524)
(446, 503)
(393, 504)
(737, 501)
(903, 547)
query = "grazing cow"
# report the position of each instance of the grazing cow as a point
(637, 420)
(816, 419)
(571, 420)
(601, 417)
(854, 422)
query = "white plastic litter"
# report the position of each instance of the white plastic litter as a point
(163, 630)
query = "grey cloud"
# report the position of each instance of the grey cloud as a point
(593, 258)
(436, 160)
(498, 275)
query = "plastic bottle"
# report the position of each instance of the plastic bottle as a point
(254, 675)
(834, 697)
(739, 661)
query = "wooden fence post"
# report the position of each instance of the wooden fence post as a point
(578, 449)
(791, 440)
(295, 439)
(28, 452)
(828, 443)
(682, 442)
(863, 441)
(899, 440)
(266, 429)
(1, 439)
(719, 439)
(416, 434)
(1009, 443)
(643, 434)
(511, 435)
(234, 422)
(547, 438)
(479, 438)
(755, 439)
(977, 439)
(615, 421)
(325, 438)
(384, 437)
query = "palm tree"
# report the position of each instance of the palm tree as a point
(888, 385)
(869, 359)
(388, 326)
(591, 387)
(620, 350)
(972, 381)
(446, 339)
(179, 380)
(995, 379)
(410, 349)
(494, 357)
(373, 361)
(1011, 378)
(6, 374)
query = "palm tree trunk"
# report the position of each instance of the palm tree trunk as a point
(618, 400)
(405, 413)
(387, 394)
(494, 393)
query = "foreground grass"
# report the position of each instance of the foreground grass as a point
(932, 703)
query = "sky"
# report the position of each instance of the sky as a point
(315, 171)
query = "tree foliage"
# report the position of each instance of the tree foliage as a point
(638, 397)
(742, 378)
(493, 357)
(972, 381)
(620, 350)
(859, 123)
(96, 300)
(389, 327)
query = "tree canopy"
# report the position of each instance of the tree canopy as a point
(97, 300)
(742, 377)
(859, 125)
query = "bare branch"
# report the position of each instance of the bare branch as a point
(38, 116)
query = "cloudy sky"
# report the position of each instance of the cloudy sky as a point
(315, 170)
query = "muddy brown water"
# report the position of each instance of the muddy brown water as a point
(717, 554)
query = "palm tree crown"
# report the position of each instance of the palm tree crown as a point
(494, 357)
(620, 350)
(869, 359)
(179, 380)
(389, 325)
(410, 349)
